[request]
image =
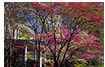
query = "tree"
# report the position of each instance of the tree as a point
(79, 43)
(35, 19)
(77, 14)
(11, 16)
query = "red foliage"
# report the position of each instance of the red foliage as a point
(37, 5)
(80, 9)
(61, 4)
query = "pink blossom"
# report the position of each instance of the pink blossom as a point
(93, 37)
(88, 56)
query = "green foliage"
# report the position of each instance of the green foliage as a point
(23, 34)
(94, 63)
(102, 38)
(97, 66)
(97, 30)
(101, 65)
(80, 65)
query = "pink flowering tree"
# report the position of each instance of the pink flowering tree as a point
(65, 47)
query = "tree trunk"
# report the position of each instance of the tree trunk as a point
(56, 64)
(61, 65)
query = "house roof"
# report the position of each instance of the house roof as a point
(20, 44)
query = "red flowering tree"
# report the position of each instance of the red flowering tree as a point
(74, 16)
